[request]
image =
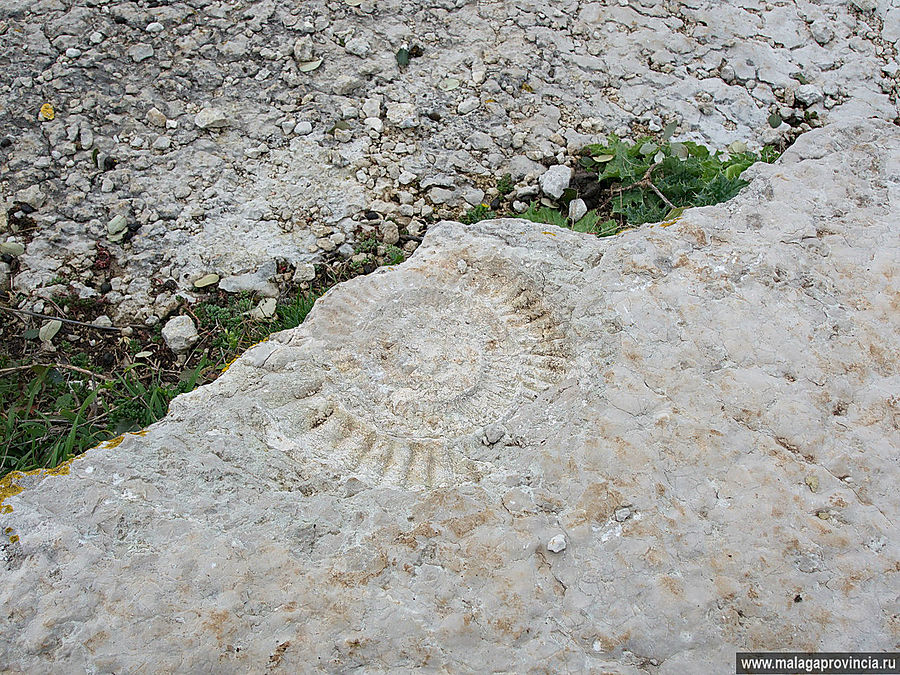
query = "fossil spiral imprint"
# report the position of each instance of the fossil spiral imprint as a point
(416, 368)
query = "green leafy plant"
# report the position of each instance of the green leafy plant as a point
(590, 223)
(648, 179)
(478, 213)
(366, 245)
(393, 255)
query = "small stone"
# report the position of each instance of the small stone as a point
(155, 27)
(480, 141)
(374, 123)
(305, 272)
(207, 280)
(473, 196)
(102, 321)
(405, 178)
(821, 31)
(371, 107)
(389, 232)
(357, 46)
(812, 482)
(12, 248)
(210, 118)
(96, 37)
(73, 53)
(622, 514)
(140, 52)
(555, 180)
(303, 128)
(807, 95)
(180, 334)
(557, 544)
(440, 195)
(86, 136)
(117, 224)
(727, 74)
(162, 143)
(493, 433)
(265, 309)
(468, 105)
(577, 210)
(303, 49)
(156, 118)
(32, 195)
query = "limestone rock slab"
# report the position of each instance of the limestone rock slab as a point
(705, 413)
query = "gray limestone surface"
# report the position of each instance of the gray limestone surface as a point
(524, 449)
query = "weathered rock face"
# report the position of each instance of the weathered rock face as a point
(524, 448)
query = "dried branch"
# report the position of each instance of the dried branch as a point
(58, 318)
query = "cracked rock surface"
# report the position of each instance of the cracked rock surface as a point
(234, 138)
(523, 447)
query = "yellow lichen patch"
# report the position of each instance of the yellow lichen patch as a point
(13, 539)
(231, 363)
(47, 112)
(10, 488)
(142, 432)
(552, 234)
(7, 530)
(61, 470)
(113, 442)
(9, 484)
(666, 223)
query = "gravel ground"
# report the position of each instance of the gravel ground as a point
(170, 141)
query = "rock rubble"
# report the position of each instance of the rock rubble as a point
(228, 132)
